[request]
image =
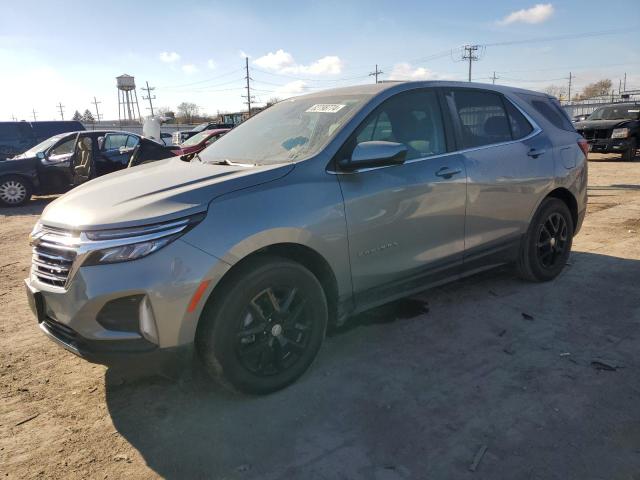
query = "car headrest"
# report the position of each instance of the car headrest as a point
(496, 126)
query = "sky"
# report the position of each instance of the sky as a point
(69, 52)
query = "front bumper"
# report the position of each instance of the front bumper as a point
(609, 145)
(166, 280)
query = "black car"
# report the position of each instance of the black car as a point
(179, 137)
(18, 137)
(64, 161)
(613, 129)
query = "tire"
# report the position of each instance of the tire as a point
(630, 154)
(14, 191)
(246, 343)
(546, 247)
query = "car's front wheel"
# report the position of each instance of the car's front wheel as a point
(264, 327)
(546, 247)
(630, 154)
(14, 191)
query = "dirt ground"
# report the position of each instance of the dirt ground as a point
(417, 389)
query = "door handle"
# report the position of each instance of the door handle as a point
(446, 172)
(535, 153)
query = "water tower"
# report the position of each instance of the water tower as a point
(127, 100)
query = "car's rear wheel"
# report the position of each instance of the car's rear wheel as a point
(14, 191)
(546, 247)
(264, 327)
(630, 154)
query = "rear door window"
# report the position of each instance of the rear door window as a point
(482, 116)
(520, 126)
(115, 141)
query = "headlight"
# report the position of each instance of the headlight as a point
(125, 244)
(620, 133)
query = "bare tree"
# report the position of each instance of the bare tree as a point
(558, 91)
(187, 111)
(596, 89)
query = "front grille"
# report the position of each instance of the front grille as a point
(53, 256)
(596, 134)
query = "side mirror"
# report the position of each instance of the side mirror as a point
(375, 154)
(41, 155)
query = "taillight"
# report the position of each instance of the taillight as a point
(584, 146)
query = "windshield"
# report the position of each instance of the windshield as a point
(200, 128)
(196, 139)
(43, 146)
(616, 113)
(288, 131)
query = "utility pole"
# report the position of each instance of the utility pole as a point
(35, 119)
(570, 79)
(469, 54)
(248, 78)
(60, 107)
(624, 84)
(376, 73)
(494, 78)
(95, 103)
(14, 117)
(149, 97)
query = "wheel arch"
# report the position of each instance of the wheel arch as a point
(569, 199)
(299, 253)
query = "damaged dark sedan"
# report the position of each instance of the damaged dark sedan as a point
(613, 129)
(67, 160)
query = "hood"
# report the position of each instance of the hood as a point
(153, 192)
(601, 124)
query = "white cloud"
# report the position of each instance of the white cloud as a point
(283, 62)
(275, 61)
(169, 57)
(189, 68)
(211, 64)
(536, 14)
(404, 71)
(290, 89)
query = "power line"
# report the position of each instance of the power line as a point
(561, 37)
(375, 73)
(202, 81)
(469, 54)
(61, 107)
(95, 103)
(149, 97)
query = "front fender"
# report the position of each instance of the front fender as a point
(295, 209)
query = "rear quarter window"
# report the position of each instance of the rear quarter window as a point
(551, 111)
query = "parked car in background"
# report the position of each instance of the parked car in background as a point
(199, 142)
(69, 159)
(580, 118)
(166, 138)
(179, 137)
(18, 137)
(613, 129)
(319, 207)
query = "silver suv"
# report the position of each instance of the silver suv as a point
(319, 207)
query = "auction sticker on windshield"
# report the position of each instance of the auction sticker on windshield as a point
(325, 108)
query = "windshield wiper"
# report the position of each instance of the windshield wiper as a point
(226, 161)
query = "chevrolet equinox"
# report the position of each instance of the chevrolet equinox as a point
(317, 208)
